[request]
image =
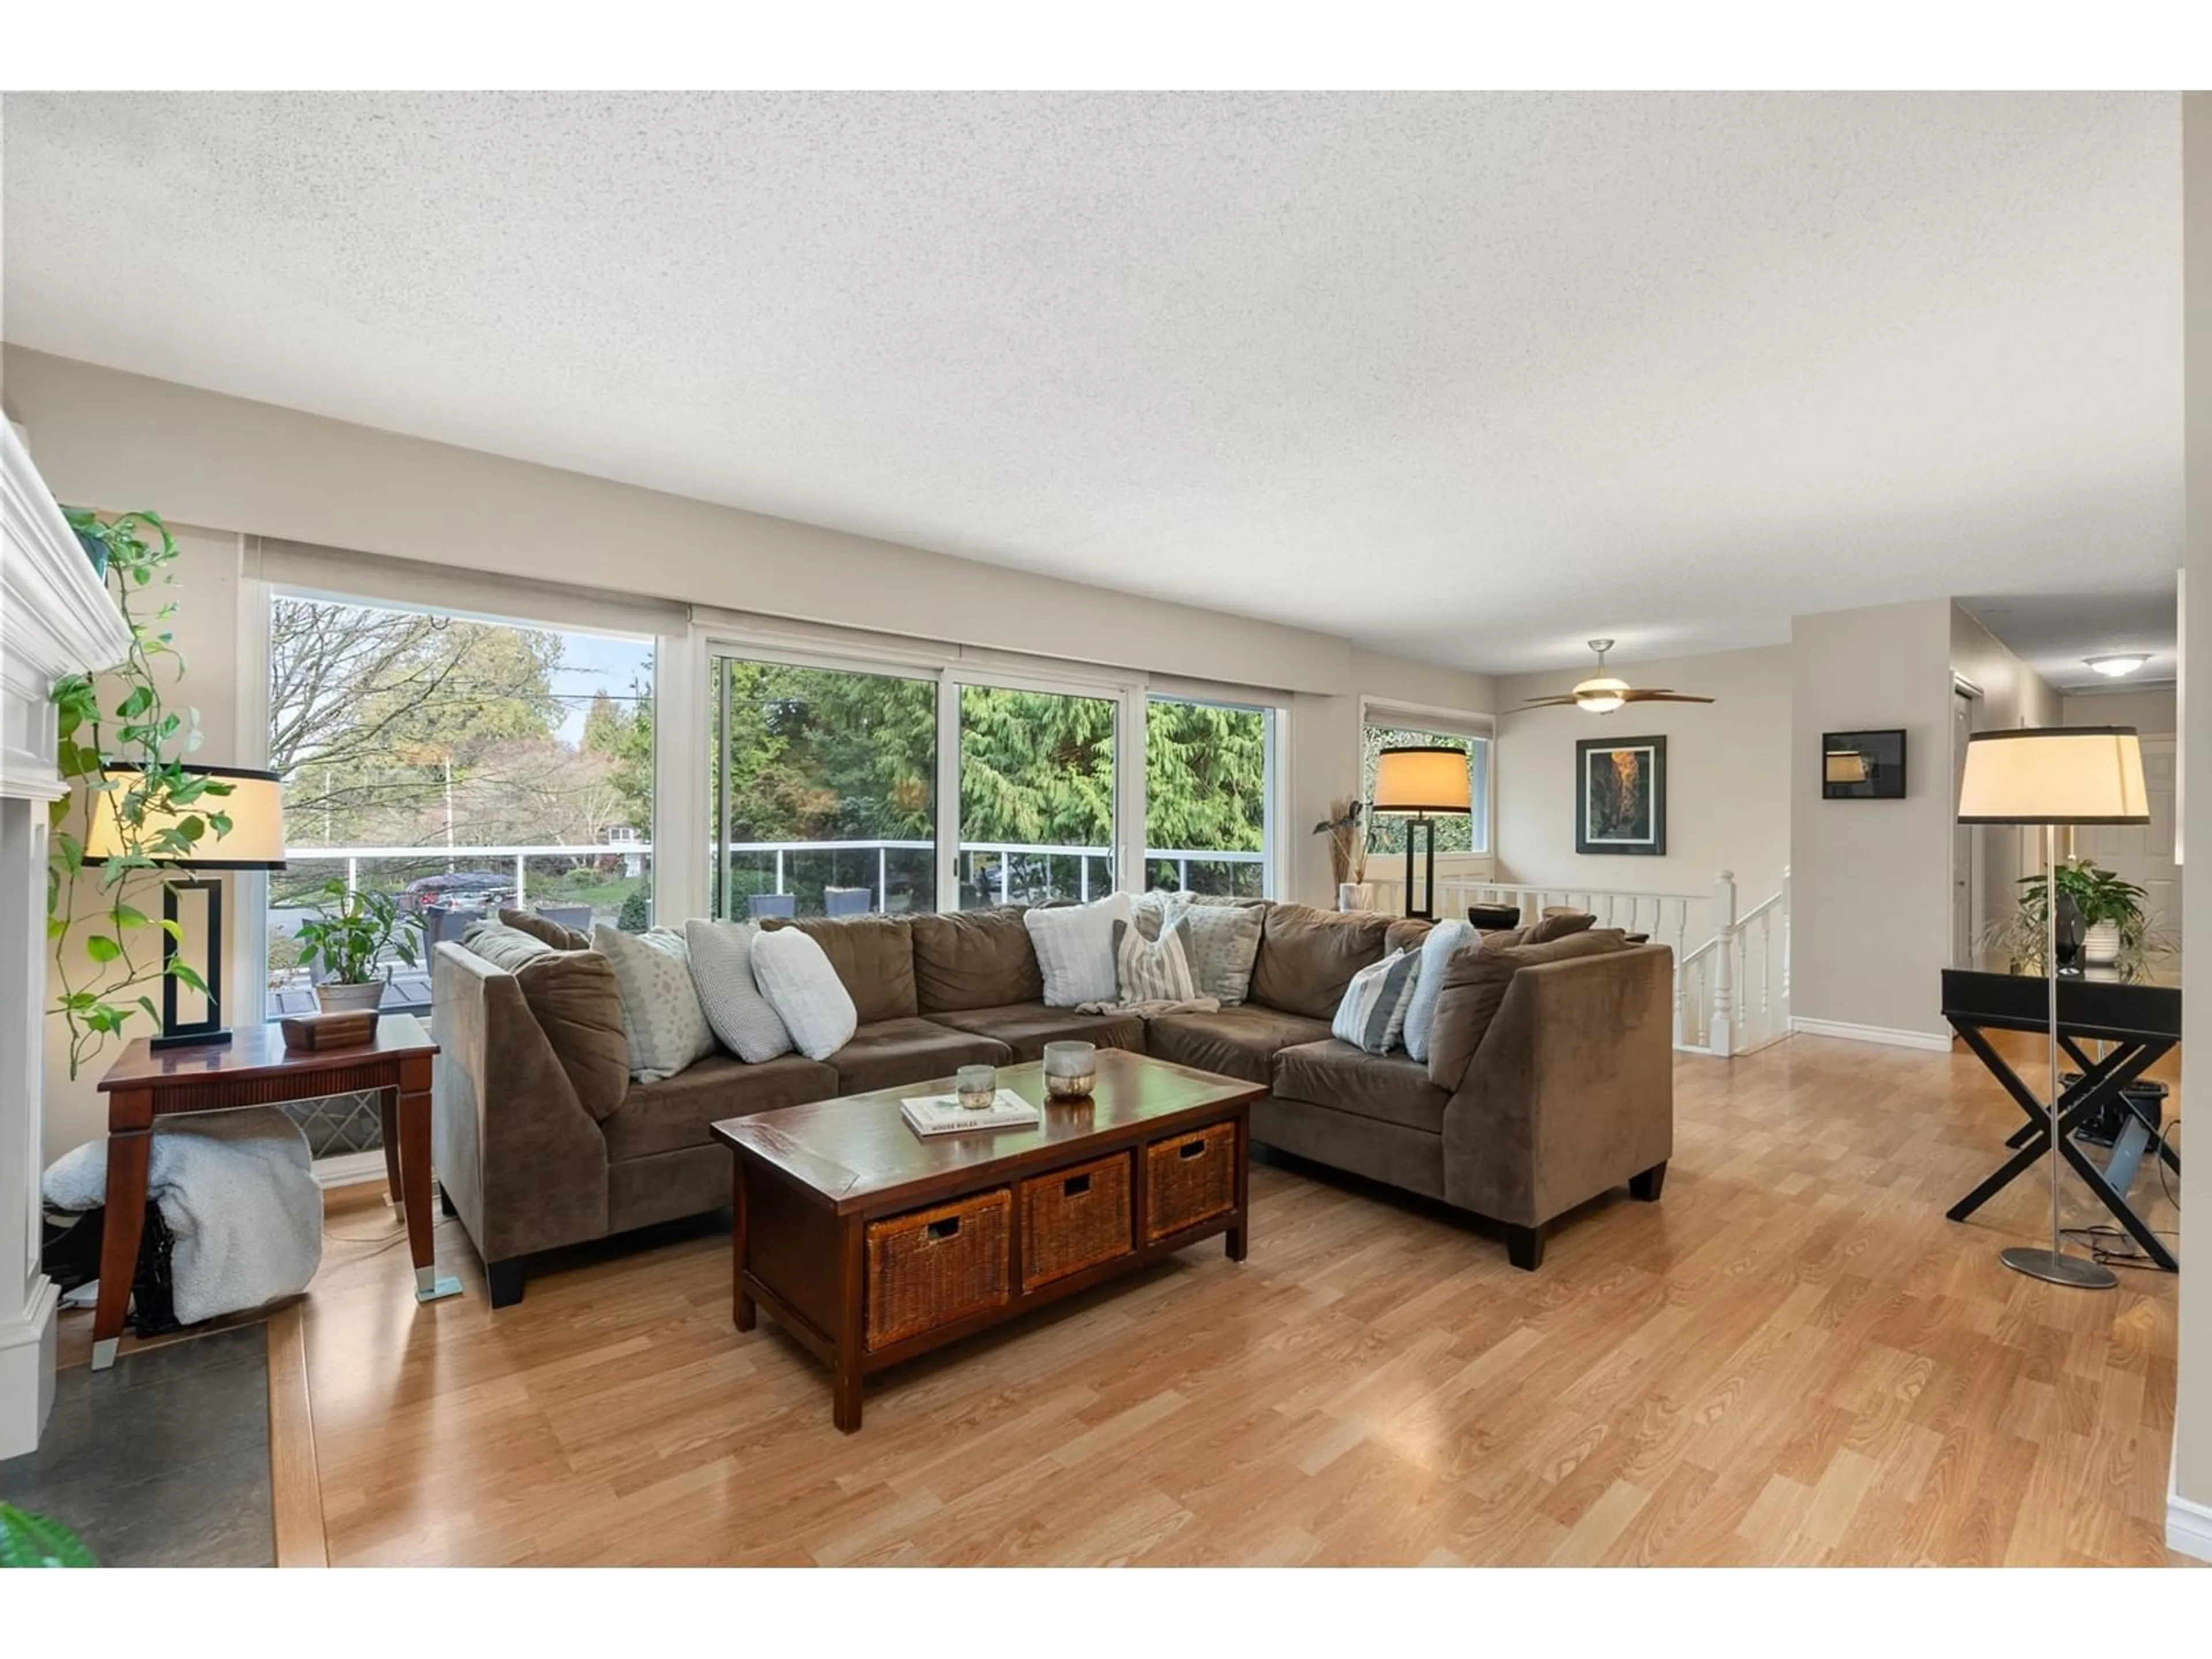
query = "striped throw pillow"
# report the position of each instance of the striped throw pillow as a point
(1152, 970)
(1373, 1013)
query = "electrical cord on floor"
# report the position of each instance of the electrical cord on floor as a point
(2089, 1237)
(2159, 1139)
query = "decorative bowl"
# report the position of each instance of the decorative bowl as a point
(975, 1086)
(1070, 1069)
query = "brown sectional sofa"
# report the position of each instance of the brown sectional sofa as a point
(1550, 1079)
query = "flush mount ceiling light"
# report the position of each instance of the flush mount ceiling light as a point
(2118, 663)
(1603, 693)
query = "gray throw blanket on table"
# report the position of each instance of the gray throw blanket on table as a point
(1155, 1008)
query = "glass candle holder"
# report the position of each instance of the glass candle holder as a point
(977, 1086)
(1070, 1069)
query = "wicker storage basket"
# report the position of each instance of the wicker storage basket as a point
(1075, 1219)
(1189, 1178)
(931, 1267)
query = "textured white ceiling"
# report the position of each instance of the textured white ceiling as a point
(1470, 378)
(2054, 633)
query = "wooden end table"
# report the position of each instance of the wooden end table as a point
(822, 1192)
(255, 1068)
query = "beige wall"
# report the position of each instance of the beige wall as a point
(2012, 695)
(1727, 777)
(2193, 1401)
(2151, 713)
(1870, 879)
(117, 441)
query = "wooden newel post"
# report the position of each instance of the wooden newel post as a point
(1720, 1030)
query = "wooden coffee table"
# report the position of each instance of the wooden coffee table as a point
(871, 1244)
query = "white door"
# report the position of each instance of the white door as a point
(2144, 853)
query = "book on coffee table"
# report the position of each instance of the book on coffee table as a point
(944, 1114)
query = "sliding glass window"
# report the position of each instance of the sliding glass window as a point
(1209, 783)
(1036, 795)
(824, 798)
(459, 766)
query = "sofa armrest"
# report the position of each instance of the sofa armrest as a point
(1572, 1090)
(524, 1164)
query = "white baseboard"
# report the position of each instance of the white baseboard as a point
(349, 1169)
(26, 1371)
(1927, 1041)
(2188, 1524)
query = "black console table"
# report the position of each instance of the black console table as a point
(2139, 1018)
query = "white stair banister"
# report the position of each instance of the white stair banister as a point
(1720, 1030)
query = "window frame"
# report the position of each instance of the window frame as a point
(1445, 722)
(462, 596)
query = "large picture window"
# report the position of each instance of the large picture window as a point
(1037, 796)
(458, 765)
(1454, 834)
(824, 793)
(1209, 781)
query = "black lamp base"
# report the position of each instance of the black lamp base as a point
(189, 1039)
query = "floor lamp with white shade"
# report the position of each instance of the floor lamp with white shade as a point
(2053, 776)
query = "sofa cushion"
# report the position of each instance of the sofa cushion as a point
(1152, 969)
(557, 934)
(1026, 1027)
(1559, 924)
(887, 1054)
(1388, 1088)
(973, 959)
(1372, 1015)
(674, 1112)
(1436, 946)
(504, 947)
(1234, 1042)
(1075, 949)
(1222, 942)
(722, 972)
(795, 976)
(1475, 983)
(573, 997)
(874, 958)
(1307, 957)
(667, 1027)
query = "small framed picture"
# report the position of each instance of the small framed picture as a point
(1862, 765)
(1620, 789)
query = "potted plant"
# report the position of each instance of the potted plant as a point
(33, 1541)
(2117, 931)
(346, 938)
(1347, 854)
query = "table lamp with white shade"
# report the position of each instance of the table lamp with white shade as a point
(2055, 776)
(1421, 781)
(255, 840)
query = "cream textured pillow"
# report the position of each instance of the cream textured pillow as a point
(793, 972)
(722, 971)
(667, 1027)
(1437, 949)
(1152, 971)
(1223, 943)
(1074, 947)
(1373, 1013)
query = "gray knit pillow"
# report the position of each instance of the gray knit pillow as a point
(722, 969)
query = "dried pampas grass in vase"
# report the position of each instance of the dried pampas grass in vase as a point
(1347, 830)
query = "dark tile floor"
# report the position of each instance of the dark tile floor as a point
(163, 1460)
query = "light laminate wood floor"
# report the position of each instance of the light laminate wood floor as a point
(1792, 1357)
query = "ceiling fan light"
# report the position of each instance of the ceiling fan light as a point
(2118, 663)
(1601, 695)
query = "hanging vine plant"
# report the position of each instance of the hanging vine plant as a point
(107, 949)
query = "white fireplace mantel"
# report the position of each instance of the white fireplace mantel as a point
(56, 619)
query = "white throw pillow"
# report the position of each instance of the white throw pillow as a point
(1373, 1013)
(1223, 943)
(722, 971)
(1437, 949)
(667, 1027)
(794, 975)
(1152, 970)
(1074, 947)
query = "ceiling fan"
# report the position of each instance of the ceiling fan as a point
(1603, 693)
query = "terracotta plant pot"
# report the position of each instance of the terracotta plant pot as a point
(336, 998)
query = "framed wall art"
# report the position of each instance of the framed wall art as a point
(1621, 795)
